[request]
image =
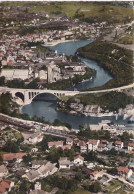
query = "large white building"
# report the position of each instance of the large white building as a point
(11, 74)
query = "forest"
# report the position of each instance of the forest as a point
(118, 61)
(111, 101)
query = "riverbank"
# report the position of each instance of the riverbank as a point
(116, 60)
(98, 105)
(56, 42)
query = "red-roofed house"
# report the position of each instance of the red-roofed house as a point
(76, 141)
(103, 141)
(66, 147)
(93, 144)
(130, 152)
(130, 146)
(69, 141)
(78, 160)
(5, 186)
(118, 145)
(83, 147)
(96, 174)
(101, 147)
(55, 144)
(124, 171)
(10, 157)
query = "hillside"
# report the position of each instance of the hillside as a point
(84, 11)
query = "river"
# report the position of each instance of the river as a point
(47, 108)
(70, 48)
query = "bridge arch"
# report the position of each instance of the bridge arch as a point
(20, 95)
(45, 96)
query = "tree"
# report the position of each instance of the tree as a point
(78, 177)
(95, 187)
(2, 81)
(11, 147)
(126, 137)
(25, 186)
(112, 171)
(27, 159)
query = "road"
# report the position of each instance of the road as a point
(120, 179)
(27, 125)
(4, 89)
(120, 31)
(109, 90)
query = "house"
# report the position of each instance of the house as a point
(35, 138)
(38, 163)
(76, 141)
(3, 171)
(64, 163)
(130, 146)
(95, 127)
(5, 186)
(47, 169)
(37, 186)
(96, 174)
(11, 156)
(83, 147)
(38, 192)
(33, 150)
(131, 165)
(124, 172)
(20, 172)
(32, 175)
(101, 147)
(105, 142)
(118, 145)
(69, 141)
(92, 144)
(55, 144)
(131, 178)
(66, 147)
(78, 160)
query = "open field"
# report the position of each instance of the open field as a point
(86, 10)
(80, 191)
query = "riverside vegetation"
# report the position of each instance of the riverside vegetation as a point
(111, 101)
(118, 61)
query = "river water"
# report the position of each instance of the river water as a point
(47, 108)
(70, 48)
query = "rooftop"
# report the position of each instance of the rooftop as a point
(52, 143)
(12, 156)
(92, 141)
(78, 156)
(123, 169)
(4, 186)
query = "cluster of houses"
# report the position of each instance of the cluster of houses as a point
(42, 168)
(19, 62)
(94, 145)
(24, 63)
(88, 110)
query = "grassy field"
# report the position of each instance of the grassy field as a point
(80, 191)
(85, 11)
(88, 9)
(128, 39)
(17, 135)
(116, 184)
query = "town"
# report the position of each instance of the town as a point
(70, 64)
(45, 150)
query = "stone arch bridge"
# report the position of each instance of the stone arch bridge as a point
(27, 95)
